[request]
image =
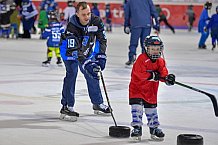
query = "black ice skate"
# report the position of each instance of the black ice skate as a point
(46, 63)
(59, 62)
(202, 47)
(157, 134)
(129, 63)
(136, 133)
(68, 115)
(214, 46)
(101, 109)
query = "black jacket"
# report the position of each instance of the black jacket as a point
(86, 38)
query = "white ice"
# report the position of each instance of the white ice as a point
(30, 94)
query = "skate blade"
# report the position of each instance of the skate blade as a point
(154, 137)
(68, 118)
(59, 65)
(97, 112)
(45, 65)
(136, 138)
(128, 66)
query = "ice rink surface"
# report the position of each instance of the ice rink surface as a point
(30, 94)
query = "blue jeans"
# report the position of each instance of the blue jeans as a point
(136, 33)
(68, 92)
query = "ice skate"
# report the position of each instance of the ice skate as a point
(202, 47)
(214, 46)
(46, 63)
(157, 134)
(68, 115)
(59, 62)
(136, 133)
(130, 62)
(101, 109)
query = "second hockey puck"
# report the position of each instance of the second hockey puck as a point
(189, 139)
(119, 131)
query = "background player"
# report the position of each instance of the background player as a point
(53, 33)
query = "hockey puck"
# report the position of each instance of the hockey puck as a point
(119, 131)
(189, 139)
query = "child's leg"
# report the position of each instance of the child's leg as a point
(137, 113)
(16, 30)
(57, 52)
(153, 123)
(58, 55)
(6, 31)
(49, 57)
(152, 117)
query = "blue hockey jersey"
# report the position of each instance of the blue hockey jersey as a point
(53, 33)
(213, 24)
(49, 5)
(138, 13)
(203, 20)
(28, 10)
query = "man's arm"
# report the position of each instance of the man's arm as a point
(154, 15)
(101, 37)
(127, 14)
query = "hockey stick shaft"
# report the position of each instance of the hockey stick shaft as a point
(212, 97)
(104, 86)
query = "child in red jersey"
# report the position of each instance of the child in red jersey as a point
(147, 71)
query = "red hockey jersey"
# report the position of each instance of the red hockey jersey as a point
(139, 86)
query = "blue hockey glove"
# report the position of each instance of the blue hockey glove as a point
(126, 29)
(155, 76)
(170, 79)
(91, 68)
(101, 59)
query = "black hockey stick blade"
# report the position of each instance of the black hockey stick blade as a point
(212, 97)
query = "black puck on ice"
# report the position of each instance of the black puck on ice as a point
(189, 139)
(119, 131)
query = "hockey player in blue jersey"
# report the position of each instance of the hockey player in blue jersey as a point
(203, 21)
(28, 17)
(83, 45)
(49, 5)
(213, 25)
(53, 34)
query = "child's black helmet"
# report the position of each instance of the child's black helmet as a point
(52, 15)
(208, 5)
(153, 41)
(70, 3)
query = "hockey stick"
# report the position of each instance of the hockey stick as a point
(212, 97)
(115, 131)
(102, 79)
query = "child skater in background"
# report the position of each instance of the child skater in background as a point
(53, 33)
(147, 71)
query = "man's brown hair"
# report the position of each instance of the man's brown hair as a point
(83, 4)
